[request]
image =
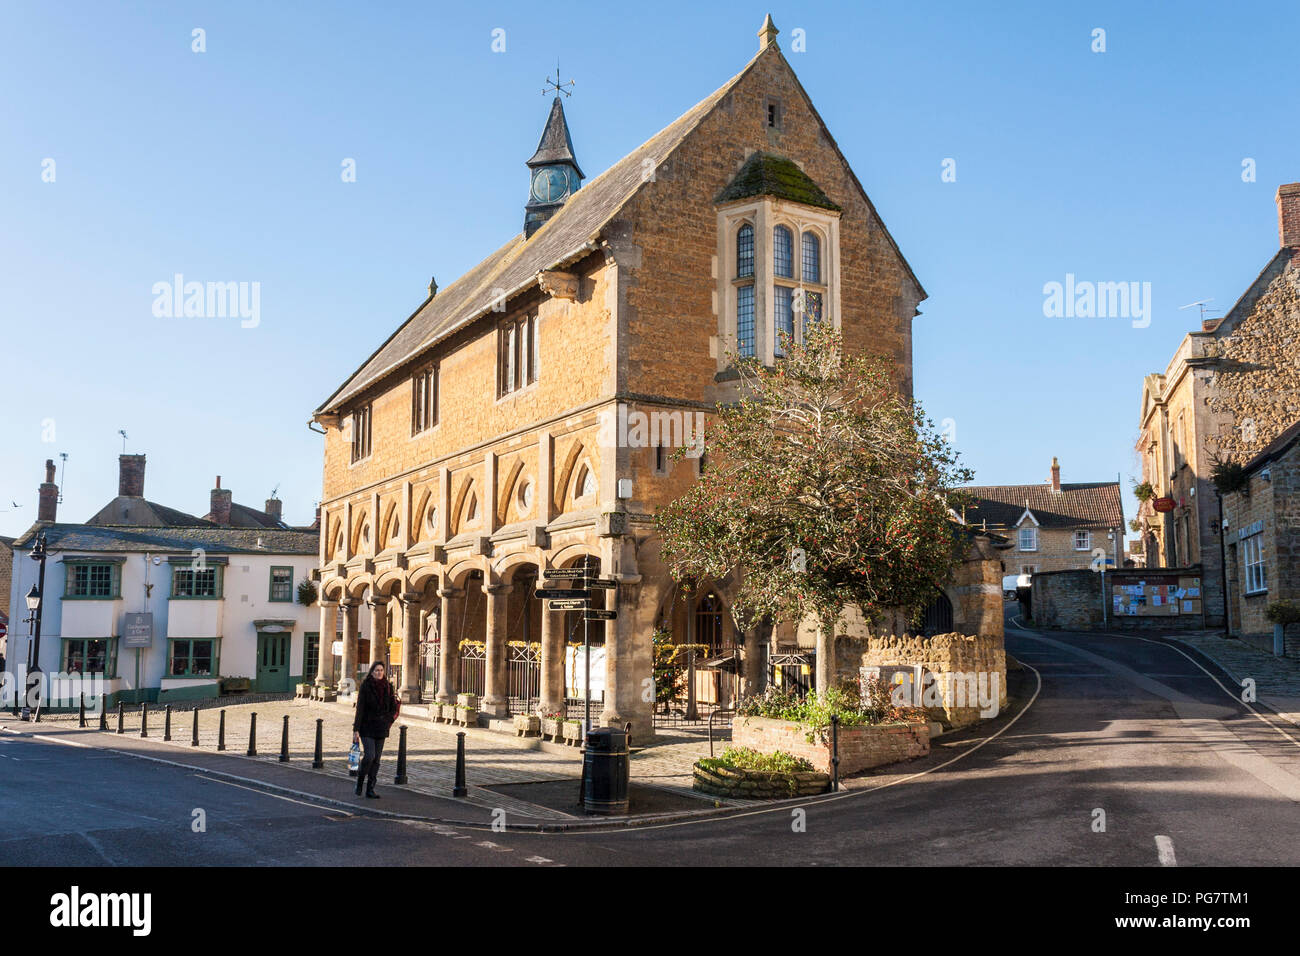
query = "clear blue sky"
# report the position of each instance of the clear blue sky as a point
(225, 166)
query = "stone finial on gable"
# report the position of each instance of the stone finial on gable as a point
(767, 34)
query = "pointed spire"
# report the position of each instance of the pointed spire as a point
(767, 34)
(556, 145)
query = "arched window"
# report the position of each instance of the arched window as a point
(586, 483)
(812, 258)
(471, 509)
(708, 624)
(745, 290)
(745, 252)
(783, 252)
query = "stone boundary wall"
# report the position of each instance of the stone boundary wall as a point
(966, 654)
(758, 784)
(861, 747)
(1074, 600)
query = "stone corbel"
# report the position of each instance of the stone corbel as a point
(559, 285)
(613, 524)
(327, 420)
(481, 546)
(537, 536)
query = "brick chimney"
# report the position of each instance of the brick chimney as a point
(1056, 476)
(47, 508)
(273, 508)
(1288, 219)
(130, 476)
(219, 509)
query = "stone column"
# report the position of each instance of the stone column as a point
(629, 666)
(756, 638)
(410, 690)
(378, 629)
(551, 696)
(449, 660)
(351, 611)
(495, 699)
(325, 657)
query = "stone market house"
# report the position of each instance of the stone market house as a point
(1051, 526)
(222, 592)
(1231, 388)
(1261, 525)
(524, 418)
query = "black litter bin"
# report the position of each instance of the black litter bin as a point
(605, 771)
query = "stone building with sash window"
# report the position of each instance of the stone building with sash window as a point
(525, 417)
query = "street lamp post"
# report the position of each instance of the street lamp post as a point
(34, 606)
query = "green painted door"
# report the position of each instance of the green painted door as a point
(272, 663)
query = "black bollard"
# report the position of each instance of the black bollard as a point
(167, 722)
(119, 716)
(81, 712)
(835, 752)
(401, 757)
(460, 789)
(103, 713)
(318, 759)
(144, 720)
(252, 735)
(194, 733)
(284, 740)
(221, 730)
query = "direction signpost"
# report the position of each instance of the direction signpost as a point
(578, 598)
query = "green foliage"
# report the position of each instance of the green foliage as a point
(1135, 525)
(873, 706)
(746, 758)
(307, 593)
(1143, 491)
(825, 487)
(1229, 477)
(1283, 612)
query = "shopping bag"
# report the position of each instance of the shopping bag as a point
(354, 760)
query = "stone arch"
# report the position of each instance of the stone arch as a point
(508, 491)
(331, 590)
(360, 522)
(420, 516)
(456, 574)
(505, 569)
(419, 577)
(390, 525)
(388, 583)
(563, 487)
(357, 587)
(468, 509)
(334, 536)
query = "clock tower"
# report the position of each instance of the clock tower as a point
(554, 174)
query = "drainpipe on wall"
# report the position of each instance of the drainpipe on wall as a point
(1223, 567)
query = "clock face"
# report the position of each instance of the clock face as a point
(550, 184)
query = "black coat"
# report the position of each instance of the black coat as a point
(376, 709)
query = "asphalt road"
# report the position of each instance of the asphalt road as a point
(1134, 730)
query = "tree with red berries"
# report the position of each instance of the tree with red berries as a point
(825, 488)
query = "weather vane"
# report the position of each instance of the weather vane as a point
(555, 86)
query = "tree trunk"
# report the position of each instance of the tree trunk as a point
(825, 654)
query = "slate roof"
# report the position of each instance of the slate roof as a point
(129, 511)
(567, 235)
(80, 537)
(767, 175)
(1078, 505)
(556, 145)
(242, 516)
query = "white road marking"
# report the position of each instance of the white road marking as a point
(314, 806)
(489, 845)
(539, 859)
(1165, 851)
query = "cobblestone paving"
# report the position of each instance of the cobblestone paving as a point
(1277, 679)
(492, 758)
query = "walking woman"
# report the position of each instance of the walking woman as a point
(376, 711)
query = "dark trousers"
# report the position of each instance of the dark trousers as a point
(372, 749)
